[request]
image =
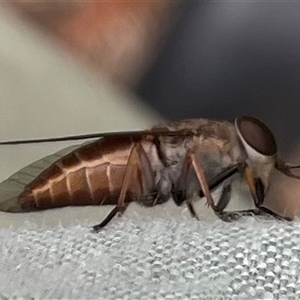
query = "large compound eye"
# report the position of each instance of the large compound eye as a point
(256, 134)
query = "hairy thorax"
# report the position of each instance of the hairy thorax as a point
(215, 144)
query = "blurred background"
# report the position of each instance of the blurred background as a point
(136, 63)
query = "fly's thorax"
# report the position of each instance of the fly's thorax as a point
(163, 175)
(173, 149)
(214, 152)
(216, 147)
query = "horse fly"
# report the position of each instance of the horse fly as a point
(172, 161)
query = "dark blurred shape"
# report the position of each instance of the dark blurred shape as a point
(228, 59)
(118, 38)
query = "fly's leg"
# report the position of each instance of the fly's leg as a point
(202, 180)
(179, 190)
(235, 215)
(108, 218)
(191, 160)
(226, 193)
(265, 211)
(179, 194)
(286, 168)
(132, 170)
(262, 211)
(230, 216)
(192, 210)
(222, 203)
(257, 191)
(224, 199)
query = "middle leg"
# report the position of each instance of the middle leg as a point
(179, 193)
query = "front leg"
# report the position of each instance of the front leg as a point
(256, 188)
(235, 215)
(222, 203)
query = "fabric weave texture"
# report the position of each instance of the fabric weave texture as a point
(153, 259)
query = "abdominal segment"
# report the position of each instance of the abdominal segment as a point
(93, 175)
(85, 186)
(86, 176)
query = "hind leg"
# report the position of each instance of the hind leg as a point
(138, 179)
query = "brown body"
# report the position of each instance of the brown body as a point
(90, 175)
(178, 160)
(93, 174)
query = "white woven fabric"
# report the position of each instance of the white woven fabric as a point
(153, 259)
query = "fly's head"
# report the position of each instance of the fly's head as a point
(261, 149)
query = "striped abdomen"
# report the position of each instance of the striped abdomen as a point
(90, 175)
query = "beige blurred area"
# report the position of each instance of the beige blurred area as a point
(120, 39)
